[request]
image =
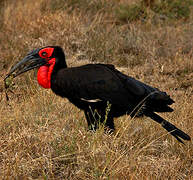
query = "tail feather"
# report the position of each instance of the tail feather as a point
(173, 130)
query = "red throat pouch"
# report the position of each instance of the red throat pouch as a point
(44, 74)
(42, 77)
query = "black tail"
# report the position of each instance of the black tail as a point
(177, 133)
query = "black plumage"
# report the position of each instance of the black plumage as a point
(102, 91)
(110, 88)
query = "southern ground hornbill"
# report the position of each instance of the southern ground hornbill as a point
(100, 90)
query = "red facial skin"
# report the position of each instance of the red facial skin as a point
(44, 72)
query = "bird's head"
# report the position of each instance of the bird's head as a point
(36, 58)
(46, 59)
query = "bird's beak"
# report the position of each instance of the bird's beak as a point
(31, 61)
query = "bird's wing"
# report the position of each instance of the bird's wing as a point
(142, 91)
(94, 81)
(104, 82)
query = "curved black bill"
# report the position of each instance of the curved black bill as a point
(31, 61)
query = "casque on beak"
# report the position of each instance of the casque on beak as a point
(31, 61)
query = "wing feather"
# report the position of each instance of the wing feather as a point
(104, 82)
(93, 82)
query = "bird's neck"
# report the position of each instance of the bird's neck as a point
(45, 72)
(60, 63)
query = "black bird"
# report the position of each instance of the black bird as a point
(100, 90)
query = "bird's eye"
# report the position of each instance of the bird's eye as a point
(44, 54)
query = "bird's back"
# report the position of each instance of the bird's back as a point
(101, 81)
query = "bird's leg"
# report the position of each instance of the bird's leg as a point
(90, 121)
(92, 118)
(96, 117)
(109, 124)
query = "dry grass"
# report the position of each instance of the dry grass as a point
(45, 137)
